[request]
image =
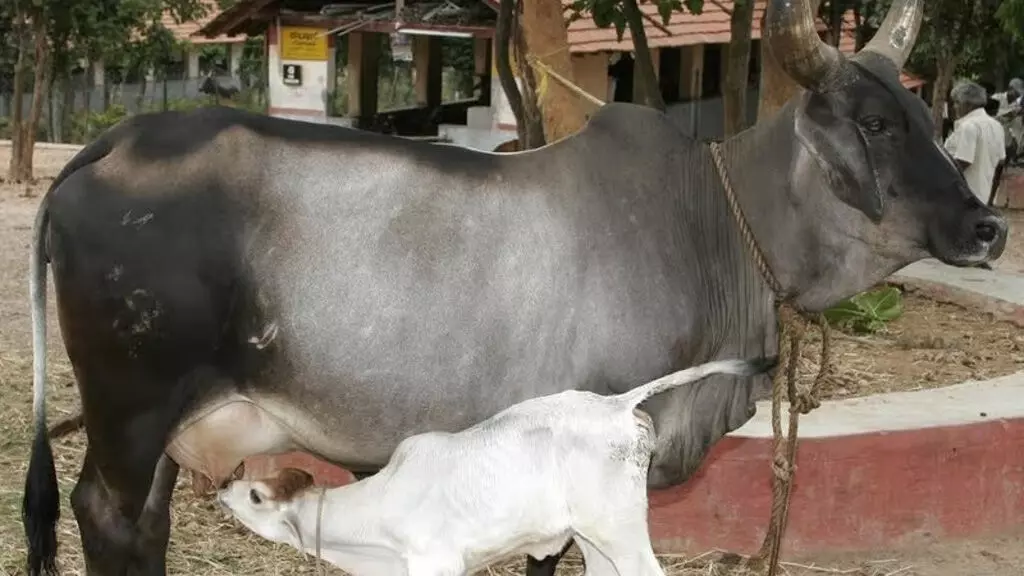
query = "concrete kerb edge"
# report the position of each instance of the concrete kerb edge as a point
(48, 146)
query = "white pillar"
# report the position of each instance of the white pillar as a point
(236, 57)
(99, 74)
(193, 64)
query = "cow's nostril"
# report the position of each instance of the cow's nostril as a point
(986, 231)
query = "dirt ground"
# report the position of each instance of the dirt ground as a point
(932, 345)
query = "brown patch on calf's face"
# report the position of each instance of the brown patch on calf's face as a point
(288, 483)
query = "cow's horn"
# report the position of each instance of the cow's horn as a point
(895, 38)
(796, 46)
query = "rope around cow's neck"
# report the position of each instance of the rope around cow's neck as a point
(793, 321)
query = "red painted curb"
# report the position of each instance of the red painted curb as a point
(855, 492)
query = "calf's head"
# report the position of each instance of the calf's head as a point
(267, 507)
(892, 193)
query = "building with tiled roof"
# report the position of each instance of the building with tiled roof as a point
(688, 52)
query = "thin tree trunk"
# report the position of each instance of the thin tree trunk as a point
(40, 84)
(531, 104)
(644, 64)
(67, 110)
(17, 104)
(776, 86)
(547, 39)
(947, 67)
(503, 43)
(140, 99)
(737, 75)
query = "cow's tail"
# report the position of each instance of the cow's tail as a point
(40, 508)
(637, 395)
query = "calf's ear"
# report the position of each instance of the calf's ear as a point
(289, 482)
(840, 150)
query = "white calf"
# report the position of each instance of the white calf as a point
(568, 465)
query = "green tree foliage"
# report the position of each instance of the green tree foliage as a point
(623, 14)
(612, 13)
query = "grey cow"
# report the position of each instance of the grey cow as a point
(230, 284)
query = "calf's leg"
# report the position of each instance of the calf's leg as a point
(546, 566)
(626, 546)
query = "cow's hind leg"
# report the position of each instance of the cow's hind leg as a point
(124, 520)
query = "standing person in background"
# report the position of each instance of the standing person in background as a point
(977, 143)
(1011, 106)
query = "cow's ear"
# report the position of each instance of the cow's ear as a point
(841, 152)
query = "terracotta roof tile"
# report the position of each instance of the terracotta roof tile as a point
(712, 26)
(686, 29)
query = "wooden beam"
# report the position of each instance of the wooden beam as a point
(426, 58)
(362, 65)
(691, 75)
(380, 26)
(482, 69)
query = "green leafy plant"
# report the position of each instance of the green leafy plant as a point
(867, 312)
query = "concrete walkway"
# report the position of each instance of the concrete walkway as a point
(999, 284)
(967, 403)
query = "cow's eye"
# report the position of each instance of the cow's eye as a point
(873, 124)
(254, 497)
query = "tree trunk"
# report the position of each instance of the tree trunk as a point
(547, 40)
(17, 105)
(946, 67)
(534, 129)
(507, 77)
(67, 110)
(39, 86)
(644, 65)
(776, 86)
(737, 75)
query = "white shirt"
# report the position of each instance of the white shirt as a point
(978, 139)
(1014, 127)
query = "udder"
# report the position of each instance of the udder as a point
(216, 440)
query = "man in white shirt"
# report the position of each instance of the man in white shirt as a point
(1011, 107)
(977, 142)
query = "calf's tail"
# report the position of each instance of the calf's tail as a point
(40, 507)
(637, 395)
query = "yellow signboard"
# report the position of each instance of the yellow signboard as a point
(303, 43)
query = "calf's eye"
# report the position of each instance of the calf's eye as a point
(254, 497)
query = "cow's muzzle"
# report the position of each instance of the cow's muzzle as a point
(979, 237)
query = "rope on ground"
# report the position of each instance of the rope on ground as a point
(793, 324)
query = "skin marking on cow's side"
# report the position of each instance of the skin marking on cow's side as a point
(421, 288)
